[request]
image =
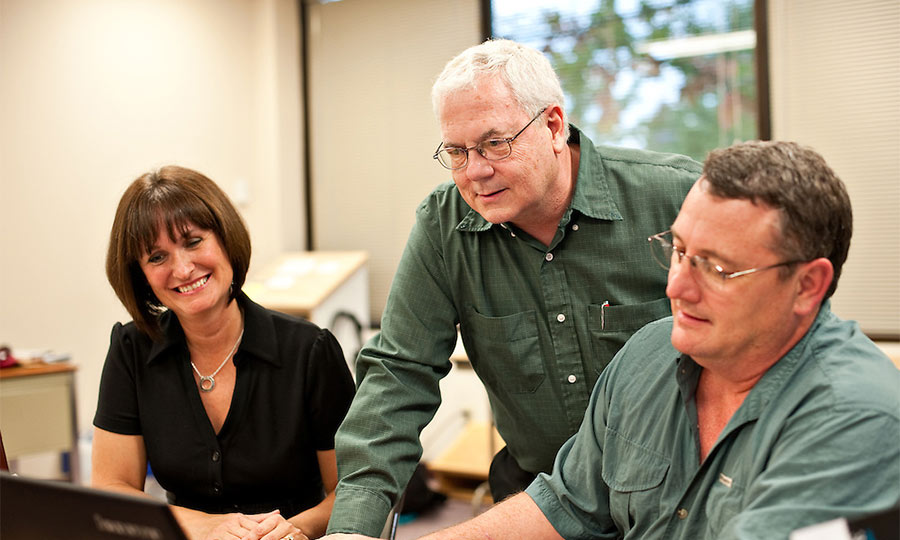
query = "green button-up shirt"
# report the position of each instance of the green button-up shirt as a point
(815, 439)
(538, 322)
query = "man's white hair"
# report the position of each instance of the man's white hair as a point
(525, 71)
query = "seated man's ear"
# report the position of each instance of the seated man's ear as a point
(813, 279)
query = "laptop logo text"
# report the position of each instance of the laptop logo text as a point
(124, 528)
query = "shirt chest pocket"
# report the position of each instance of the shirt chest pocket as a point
(612, 325)
(504, 351)
(634, 475)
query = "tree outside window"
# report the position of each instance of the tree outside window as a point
(673, 76)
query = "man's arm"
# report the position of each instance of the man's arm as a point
(398, 374)
(516, 518)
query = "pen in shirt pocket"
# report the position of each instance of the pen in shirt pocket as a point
(603, 307)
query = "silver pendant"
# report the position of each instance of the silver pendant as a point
(207, 383)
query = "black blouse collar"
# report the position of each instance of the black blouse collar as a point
(259, 339)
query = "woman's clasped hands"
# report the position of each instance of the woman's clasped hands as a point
(269, 526)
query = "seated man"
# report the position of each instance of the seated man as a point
(753, 410)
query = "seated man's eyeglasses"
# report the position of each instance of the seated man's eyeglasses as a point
(457, 157)
(710, 273)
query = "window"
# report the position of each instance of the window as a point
(667, 75)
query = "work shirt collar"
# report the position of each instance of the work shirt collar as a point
(770, 385)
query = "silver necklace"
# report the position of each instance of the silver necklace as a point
(207, 383)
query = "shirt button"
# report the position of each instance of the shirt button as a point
(575, 227)
(217, 488)
(512, 234)
(548, 257)
(216, 456)
(561, 317)
(681, 513)
(572, 378)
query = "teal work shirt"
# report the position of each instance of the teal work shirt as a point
(815, 439)
(538, 322)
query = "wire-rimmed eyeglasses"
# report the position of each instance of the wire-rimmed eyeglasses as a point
(665, 253)
(457, 157)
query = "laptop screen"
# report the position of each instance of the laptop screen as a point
(51, 510)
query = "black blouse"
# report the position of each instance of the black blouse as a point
(292, 391)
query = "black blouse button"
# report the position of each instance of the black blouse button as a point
(217, 488)
(216, 456)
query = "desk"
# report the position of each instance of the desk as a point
(892, 349)
(328, 288)
(461, 468)
(465, 465)
(37, 411)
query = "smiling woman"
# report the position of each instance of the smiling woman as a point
(187, 386)
(161, 208)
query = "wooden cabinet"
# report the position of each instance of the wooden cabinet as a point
(37, 411)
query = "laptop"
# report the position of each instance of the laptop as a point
(33, 509)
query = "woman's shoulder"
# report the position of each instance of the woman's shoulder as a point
(128, 345)
(285, 325)
(294, 333)
(128, 333)
(279, 333)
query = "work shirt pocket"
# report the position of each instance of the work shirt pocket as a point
(612, 325)
(504, 351)
(634, 475)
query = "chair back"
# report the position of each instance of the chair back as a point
(390, 528)
(4, 464)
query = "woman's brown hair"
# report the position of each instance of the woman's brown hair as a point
(174, 197)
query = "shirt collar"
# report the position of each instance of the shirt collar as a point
(259, 339)
(592, 197)
(766, 388)
(776, 377)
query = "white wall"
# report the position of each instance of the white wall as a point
(372, 135)
(372, 129)
(94, 93)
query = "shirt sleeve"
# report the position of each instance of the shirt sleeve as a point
(830, 461)
(398, 374)
(330, 389)
(117, 407)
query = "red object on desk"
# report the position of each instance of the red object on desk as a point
(6, 358)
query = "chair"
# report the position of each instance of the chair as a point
(390, 527)
(4, 464)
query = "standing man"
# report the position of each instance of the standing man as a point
(752, 411)
(536, 250)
